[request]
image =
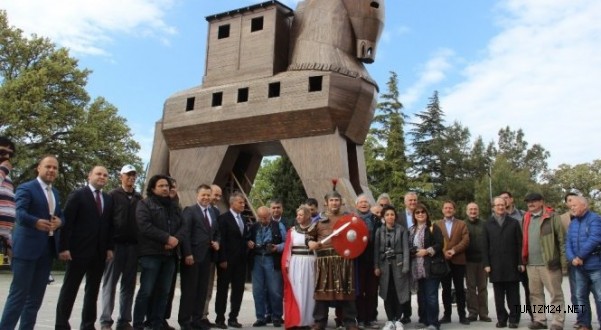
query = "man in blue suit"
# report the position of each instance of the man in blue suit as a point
(35, 239)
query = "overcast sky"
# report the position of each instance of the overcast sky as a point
(533, 64)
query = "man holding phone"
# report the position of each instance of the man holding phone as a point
(35, 238)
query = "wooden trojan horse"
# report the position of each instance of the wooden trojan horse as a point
(277, 82)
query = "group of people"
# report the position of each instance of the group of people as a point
(297, 276)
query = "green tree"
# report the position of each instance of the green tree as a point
(428, 145)
(504, 177)
(584, 178)
(457, 178)
(514, 148)
(277, 178)
(388, 165)
(46, 110)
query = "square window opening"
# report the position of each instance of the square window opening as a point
(217, 99)
(274, 90)
(315, 83)
(223, 31)
(242, 95)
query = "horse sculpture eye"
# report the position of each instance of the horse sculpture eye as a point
(375, 4)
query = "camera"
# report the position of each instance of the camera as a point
(389, 254)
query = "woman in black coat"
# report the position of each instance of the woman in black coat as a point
(502, 259)
(391, 265)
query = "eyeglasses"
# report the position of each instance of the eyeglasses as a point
(419, 212)
(4, 153)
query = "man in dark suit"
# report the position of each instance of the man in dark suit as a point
(502, 259)
(232, 262)
(216, 194)
(35, 238)
(200, 221)
(86, 244)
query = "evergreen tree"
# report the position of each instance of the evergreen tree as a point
(390, 161)
(428, 146)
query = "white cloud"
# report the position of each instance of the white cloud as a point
(433, 72)
(540, 73)
(88, 26)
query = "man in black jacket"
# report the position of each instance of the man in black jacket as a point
(161, 230)
(86, 244)
(125, 258)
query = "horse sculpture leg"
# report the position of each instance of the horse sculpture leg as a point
(320, 159)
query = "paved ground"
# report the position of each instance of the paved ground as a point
(46, 315)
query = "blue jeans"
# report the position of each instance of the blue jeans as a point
(572, 278)
(587, 281)
(30, 279)
(427, 300)
(155, 278)
(267, 286)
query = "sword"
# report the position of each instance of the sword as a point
(336, 232)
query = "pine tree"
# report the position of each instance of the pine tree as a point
(387, 163)
(428, 145)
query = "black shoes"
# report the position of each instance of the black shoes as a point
(513, 325)
(472, 318)
(464, 321)
(277, 323)
(234, 324)
(259, 323)
(220, 325)
(406, 320)
(485, 319)
(445, 319)
(501, 325)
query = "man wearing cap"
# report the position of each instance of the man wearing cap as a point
(125, 259)
(543, 253)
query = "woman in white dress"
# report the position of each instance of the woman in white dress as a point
(298, 270)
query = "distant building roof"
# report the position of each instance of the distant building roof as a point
(287, 9)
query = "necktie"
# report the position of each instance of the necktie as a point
(51, 205)
(240, 224)
(98, 201)
(207, 220)
(50, 198)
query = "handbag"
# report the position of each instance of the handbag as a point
(439, 267)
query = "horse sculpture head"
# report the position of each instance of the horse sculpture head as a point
(367, 21)
(336, 35)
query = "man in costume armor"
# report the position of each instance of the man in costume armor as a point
(334, 280)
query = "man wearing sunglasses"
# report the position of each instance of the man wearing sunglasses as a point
(7, 193)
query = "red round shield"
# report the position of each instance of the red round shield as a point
(352, 240)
